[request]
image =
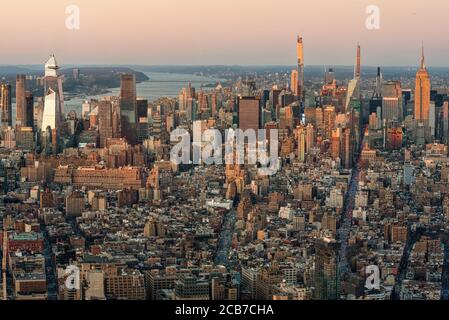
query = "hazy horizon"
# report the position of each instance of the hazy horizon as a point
(211, 32)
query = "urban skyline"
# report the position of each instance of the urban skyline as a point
(222, 184)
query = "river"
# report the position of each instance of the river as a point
(160, 85)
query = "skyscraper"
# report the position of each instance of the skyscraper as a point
(5, 106)
(329, 76)
(357, 70)
(327, 282)
(142, 108)
(300, 73)
(445, 120)
(422, 92)
(378, 92)
(249, 113)
(29, 112)
(21, 113)
(310, 137)
(392, 101)
(329, 116)
(301, 138)
(105, 122)
(347, 151)
(294, 82)
(128, 107)
(53, 106)
(52, 80)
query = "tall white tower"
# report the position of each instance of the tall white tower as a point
(53, 104)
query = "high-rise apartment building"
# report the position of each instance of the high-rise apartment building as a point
(358, 69)
(300, 70)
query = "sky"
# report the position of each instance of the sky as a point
(226, 32)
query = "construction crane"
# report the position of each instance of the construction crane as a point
(4, 257)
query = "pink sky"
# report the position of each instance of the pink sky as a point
(223, 32)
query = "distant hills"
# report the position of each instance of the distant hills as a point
(92, 80)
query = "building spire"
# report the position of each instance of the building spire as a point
(423, 63)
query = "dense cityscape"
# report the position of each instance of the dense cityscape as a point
(92, 206)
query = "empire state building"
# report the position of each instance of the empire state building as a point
(422, 92)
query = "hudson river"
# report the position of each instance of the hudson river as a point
(159, 85)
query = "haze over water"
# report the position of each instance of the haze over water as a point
(160, 85)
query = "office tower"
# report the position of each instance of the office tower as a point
(310, 137)
(375, 106)
(128, 107)
(182, 100)
(353, 93)
(373, 122)
(214, 104)
(265, 98)
(357, 70)
(329, 116)
(105, 126)
(9, 138)
(85, 110)
(75, 73)
(285, 98)
(329, 76)
(191, 111)
(347, 149)
(378, 92)
(38, 113)
(335, 144)
(142, 108)
(327, 280)
(249, 113)
(394, 138)
(21, 113)
(310, 116)
(25, 138)
(300, 73)
(5, 106)
(392, 101)
(53, 106)
(408, 109)
(52, 80)
(301, 138)
(445, 119)
(29, 102)
(49, 121)
(432, 119)
(422, 92)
